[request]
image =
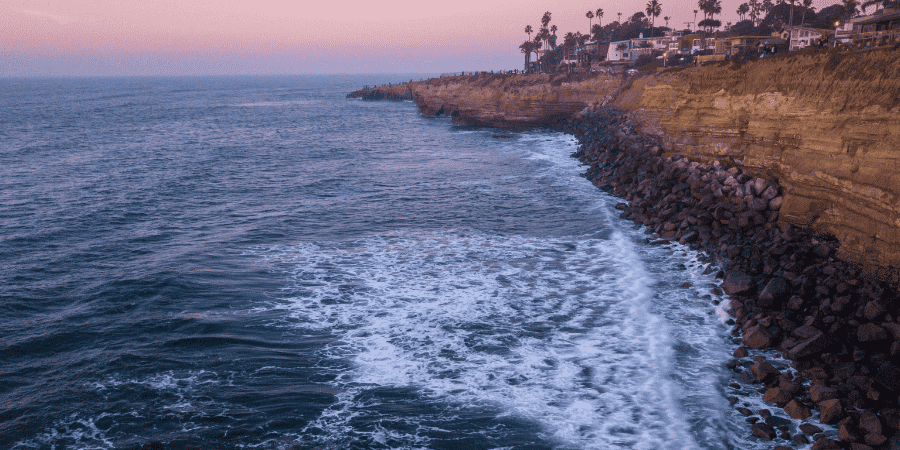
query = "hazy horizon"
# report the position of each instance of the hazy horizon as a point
(198, 37)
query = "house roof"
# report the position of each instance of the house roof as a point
(882, 15)
(773, 41)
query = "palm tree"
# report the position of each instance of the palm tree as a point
(754, 11)
(598, 14)
(620, 18)
(653, 10)
(792, 12)
(527, 47)
(545, 19)
(666, 18)
(590, 16)
(528, 31)
(806, 6)
(695, 18)
(743, 9)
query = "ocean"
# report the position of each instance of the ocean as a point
(259, 262)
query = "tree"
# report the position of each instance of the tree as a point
(710, 24)
(710, 8)
(695, 18)
(850, 8)
(792, 12)
(569, 43)
(743, 28)
(807, 4)
(666, 18)
(598, 14)
(527, 47)
(528, 31)
(590, 16)
(654, 9)
(597, 32)
(743, 9)
(545, 19)
(754, 11)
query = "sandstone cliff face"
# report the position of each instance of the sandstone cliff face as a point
(511, 101)
(827, 128)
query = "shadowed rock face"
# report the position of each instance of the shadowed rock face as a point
(825, 126)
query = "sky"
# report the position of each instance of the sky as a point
(224, 37)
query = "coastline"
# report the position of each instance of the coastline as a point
(797, 290)
(789, 294)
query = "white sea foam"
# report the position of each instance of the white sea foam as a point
(596, 340)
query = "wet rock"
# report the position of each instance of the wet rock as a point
(737, 282)
(830, 411)
(797, 410)
(809, 429)
(741, 352)
(859, 446)
(846, 432)
(777, 395)
(757, 337)
(761, 429)
(763, 371)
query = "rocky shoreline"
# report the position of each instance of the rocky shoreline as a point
(836, 321)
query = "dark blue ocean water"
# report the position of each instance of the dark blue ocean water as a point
(258, 262)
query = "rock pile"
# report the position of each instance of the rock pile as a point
(789, 293)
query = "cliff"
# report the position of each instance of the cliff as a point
(825, 125)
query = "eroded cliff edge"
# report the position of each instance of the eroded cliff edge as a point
(825, 125)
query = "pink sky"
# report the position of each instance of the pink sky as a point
(148, 37)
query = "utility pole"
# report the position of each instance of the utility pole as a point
(688, 24)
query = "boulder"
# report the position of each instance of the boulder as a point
(809, 429)
(777, 395)
(869, 332)
(737, 282)
(764, 371)
(757, 337)
(819, 393)
(797, 410)
(873, 310)
(773, 292)
(874, 439)
(824, 443)
(830, 411)
(762, 430)
(809, 347)
(846, 431)
(869, 423)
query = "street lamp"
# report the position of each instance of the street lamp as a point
(837, 23)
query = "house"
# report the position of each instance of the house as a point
(877, 29)
(772, 46)
(618, 51)
(800, 37)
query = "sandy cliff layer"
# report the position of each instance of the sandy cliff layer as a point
(826, 126)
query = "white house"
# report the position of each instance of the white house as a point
(800, 37)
